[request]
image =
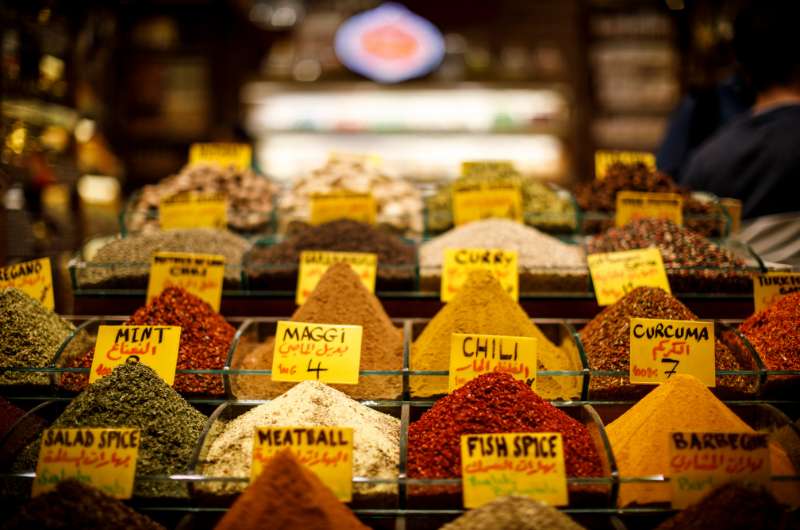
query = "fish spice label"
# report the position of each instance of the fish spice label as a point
(154, 346)
(771, 287)
(239, 156)
(459, 262)
(702, 461)
(472, 202)
(332, 206)
(604, 159)
(327, 451)
(321, 352)
(634, 205)
(102, 458)
(615, 274)
(472, 355)
(527, 464)
(662, 348)
(193, 210)
(200, 274)
(34, 278)
(314, 263)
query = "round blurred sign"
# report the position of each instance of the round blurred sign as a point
(389, 44)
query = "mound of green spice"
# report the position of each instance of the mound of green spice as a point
(134, 396)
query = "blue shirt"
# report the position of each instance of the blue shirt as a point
(756, 159)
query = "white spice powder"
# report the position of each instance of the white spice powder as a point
(376, 436)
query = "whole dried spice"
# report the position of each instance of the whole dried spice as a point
(693, 263)
(774, 332)
(339, 298)
(275, 266)
(732, 506)
(73, 505)
(30, 336)
(287, 495)
(205, 341)
(514, 512)
(125, 263)
(483, 306)
(376, 436)
(493, 403)
(598, 198)
(545, 263)
(250, 196)
(639, 438)
(133, 395)
(606, 341)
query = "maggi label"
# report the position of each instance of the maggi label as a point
(322, 352)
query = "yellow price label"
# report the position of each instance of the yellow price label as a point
(530, 464)
(604, 159)
(663, 348)
(326, 451)
(193, 210)
(34, 278)
(473, 202)
(328, 207)
(633, 205)
(459, 262)
(472, 354)
(154, 346)
(239, 156)
(200, 274)
(102, 458)
(321, 352)
(482, 167)
(614, 274)
(702, 461)
(771, 287)
(314, 263)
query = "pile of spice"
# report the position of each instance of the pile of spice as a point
(514, 512)
(483, 306)
(73, 505)
(732, 506)
(774, 332)
(376, 436)
(339, 298)
(250, 196)
(30, 336)
(598, 198)
(276, 266)
(16, 431)
(492, 403)
(606, 341)
(399, 202)
(693, 263)
(287, 495)
(545, 263)
(205, 341)
(639, 438)
(133, 395)
(125, 263)
(544, 206)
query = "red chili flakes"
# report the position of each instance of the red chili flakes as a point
(492, 403)
(205, 340)
(775, 333)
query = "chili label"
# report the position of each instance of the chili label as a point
(472, 355)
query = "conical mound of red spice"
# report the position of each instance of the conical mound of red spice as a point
(493, 403)
(775, 333)
(286, 495)
(205, 340)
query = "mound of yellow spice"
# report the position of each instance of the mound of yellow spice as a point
(639, 438)
(483, 306)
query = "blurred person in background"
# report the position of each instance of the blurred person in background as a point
(756, 157)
